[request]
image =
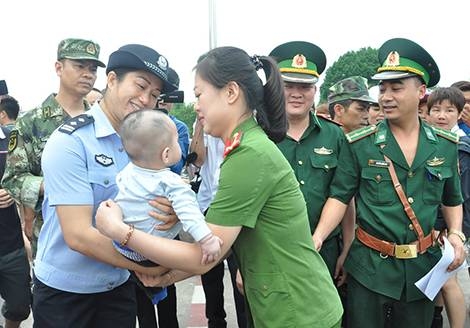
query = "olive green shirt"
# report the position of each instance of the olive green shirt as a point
(23, 175)
(285, 280)
(431, 180)
(314, 159)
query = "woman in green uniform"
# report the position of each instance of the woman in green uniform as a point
(258, 211)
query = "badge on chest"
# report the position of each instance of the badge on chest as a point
(104, 160)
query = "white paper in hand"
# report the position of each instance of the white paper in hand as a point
(433, 281)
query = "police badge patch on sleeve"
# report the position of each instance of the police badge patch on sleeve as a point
(13, 141)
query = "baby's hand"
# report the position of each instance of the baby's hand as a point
(210, 248)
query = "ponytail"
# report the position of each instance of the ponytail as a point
(271, 116)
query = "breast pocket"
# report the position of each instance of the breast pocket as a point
(434, 183)
(103, 183)
(323, 169)
(376, 185)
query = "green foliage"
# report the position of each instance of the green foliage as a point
(363, 62)
(185, 113)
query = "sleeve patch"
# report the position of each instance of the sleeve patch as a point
(13, 141)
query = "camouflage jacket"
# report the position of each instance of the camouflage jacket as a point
(23, 175)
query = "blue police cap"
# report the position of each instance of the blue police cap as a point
(140, 57)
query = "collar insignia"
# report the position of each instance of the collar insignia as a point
(323, 151)
(104, 160)
(393, 59)
(435, 161)
(299, 61)
(232, 144)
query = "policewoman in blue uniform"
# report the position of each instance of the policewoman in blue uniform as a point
(80, 280)
(401, 163)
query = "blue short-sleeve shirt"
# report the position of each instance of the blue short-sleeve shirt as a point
(79, 169)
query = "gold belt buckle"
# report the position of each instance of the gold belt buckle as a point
(406, 251)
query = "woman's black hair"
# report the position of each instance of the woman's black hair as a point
(222, 65)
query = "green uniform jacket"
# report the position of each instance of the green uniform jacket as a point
(314, 159)
(431, 180)
(23, 175)
(285, 280)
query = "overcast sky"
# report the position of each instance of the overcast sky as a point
(31, 31)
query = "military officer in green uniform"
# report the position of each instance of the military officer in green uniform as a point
(401, 162)
(313, 142)
(76, 66)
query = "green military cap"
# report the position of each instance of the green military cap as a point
(351, 88)
(79, 49)
(299, 61)
(403, 58)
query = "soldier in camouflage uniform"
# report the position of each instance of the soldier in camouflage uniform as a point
(76, 66)
(349, 101)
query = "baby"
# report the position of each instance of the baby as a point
(150, 139)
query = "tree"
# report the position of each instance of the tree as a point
(185, 113)
(363, 62)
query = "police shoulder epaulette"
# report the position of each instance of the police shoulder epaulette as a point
(361, 133)
(326, 118)
(446, 134)
(76, 123)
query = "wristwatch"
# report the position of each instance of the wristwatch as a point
(459, 233)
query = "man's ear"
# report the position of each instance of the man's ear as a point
(58, 67)
(422, 91)
(338, 109)
(233, 92)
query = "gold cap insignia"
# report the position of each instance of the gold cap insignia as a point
(435, 161)
(393, 59)
(323, 151)
(299, 61)
(90, 48)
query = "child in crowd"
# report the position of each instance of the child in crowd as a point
(150, 139)
(444, 107)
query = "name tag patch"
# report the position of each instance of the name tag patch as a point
(378, 163)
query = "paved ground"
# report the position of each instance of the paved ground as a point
(464, 280)
(191, 303)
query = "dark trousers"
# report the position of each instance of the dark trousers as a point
(167, 315)
(368, 309)
(53, 308)
(213, 285)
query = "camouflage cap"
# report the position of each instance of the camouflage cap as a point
(351, 88)
(3, 88)
(299, 61)
(402, 58)
(79, 49)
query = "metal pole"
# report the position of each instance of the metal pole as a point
(212, 25)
